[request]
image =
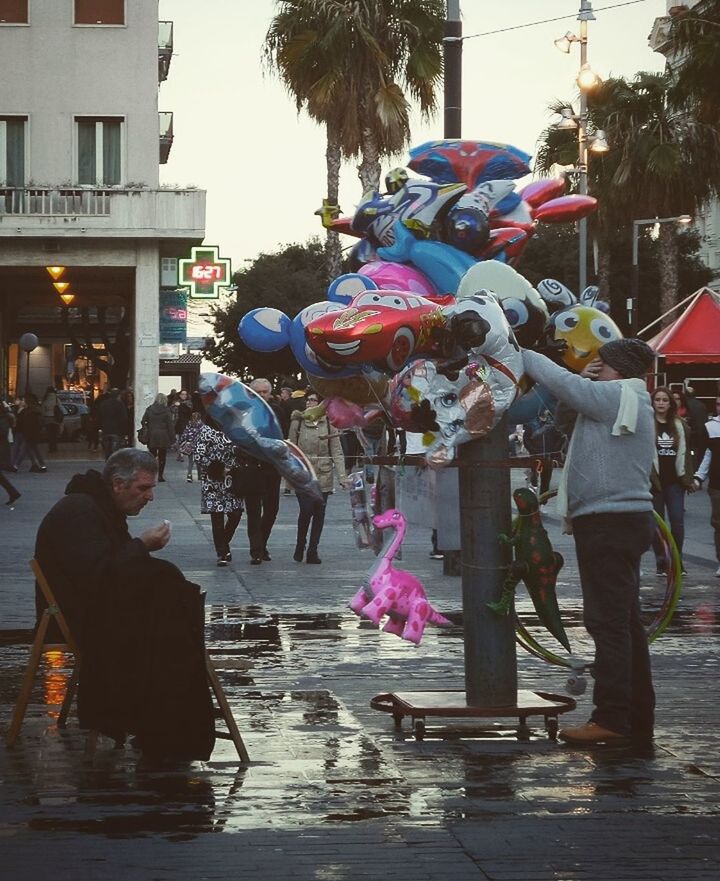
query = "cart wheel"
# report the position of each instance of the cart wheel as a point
(551, 726)
(523, 730)
(397, 719)
(419, 729)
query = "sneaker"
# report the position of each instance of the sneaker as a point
(221, 561)
(435, 555)
(660, 572)
(717, 573)
(683, 571)
(37, 469)
(189, 478)
(228, 557)
(161, 480)
(266, 557)
(591, 733)
(15, 496)
(256, 561)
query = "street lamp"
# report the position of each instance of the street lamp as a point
(587, 80)
(632, 303)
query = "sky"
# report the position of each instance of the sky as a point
(238, 135)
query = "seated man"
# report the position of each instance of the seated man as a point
(136, 619)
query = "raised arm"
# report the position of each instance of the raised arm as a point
(596, 400)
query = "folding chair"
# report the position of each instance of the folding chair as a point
(38, 647)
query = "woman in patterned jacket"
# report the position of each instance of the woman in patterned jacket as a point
(215, 458)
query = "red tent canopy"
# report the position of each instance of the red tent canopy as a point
(694, 337)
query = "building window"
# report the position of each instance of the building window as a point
(99, 142)
(12, 151)
(99, 11)
(13, 11)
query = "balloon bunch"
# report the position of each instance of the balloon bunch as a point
(427, 332)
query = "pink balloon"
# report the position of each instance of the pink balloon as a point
(398, 277)
(541, 191)
(346, 414)
(565, 209)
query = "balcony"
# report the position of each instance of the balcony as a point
(165, 49)
(102, 212)
(166, 136)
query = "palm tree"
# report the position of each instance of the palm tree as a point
(350, 65)
(663, 162)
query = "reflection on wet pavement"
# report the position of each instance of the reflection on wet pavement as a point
(315, 761)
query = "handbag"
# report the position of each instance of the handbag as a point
(142, 434)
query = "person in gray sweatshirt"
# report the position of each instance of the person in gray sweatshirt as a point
(604, 494)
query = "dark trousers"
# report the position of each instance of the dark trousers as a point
(223, 529)
(312, 517)
(715, 518)
(254, 513)
(110, 444)
(609, 548)
(262, 510)
(545, 476)
(53, 433)
(8, 487)
(160, 454)
(671, 499)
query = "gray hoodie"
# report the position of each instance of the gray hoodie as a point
(606, 473)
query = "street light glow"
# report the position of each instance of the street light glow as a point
(587, 79)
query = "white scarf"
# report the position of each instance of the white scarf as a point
(625, 423)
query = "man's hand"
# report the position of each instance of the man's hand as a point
(156, 538)
(591, 370)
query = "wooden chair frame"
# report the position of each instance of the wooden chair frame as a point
(38, 647)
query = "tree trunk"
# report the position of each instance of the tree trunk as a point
(603, 266)
(668, 265)
(369, 168)
(333, 161)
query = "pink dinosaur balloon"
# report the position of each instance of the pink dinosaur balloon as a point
(395, 592)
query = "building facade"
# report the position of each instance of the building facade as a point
(708, 222)
(81, 142)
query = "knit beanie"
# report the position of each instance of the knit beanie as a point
(629, 357)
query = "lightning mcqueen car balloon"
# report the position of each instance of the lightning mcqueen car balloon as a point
(382, 328)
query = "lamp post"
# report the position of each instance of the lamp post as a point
(586, 80)
(632, 301)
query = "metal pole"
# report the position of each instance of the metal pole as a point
(582, 162)
(453, 71)
(490, 657)
(27, 372)
(634, 283)
(490, 660)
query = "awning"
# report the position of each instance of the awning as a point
(694, 337)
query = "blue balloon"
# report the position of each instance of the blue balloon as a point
(531, 405)
(507, 204)
(265, 329)
(361, 253)
(345, 287)
(441, 263)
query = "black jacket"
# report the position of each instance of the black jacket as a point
(112, 416)
(81, 540)
(137, 621)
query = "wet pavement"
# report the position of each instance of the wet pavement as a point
(333, 791)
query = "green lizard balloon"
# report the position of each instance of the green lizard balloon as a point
(536, 564)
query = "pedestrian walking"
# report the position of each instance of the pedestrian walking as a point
(112, 422)
(13, 493)
(709, 471)
(270, 483)
(183, 412)
(216, 459)
(697, 416)
(52, 417)
(321, 444)
(187, 442)
(28, 429)
(7, 422)
(604, 494)
(672, 474)
(159, 428)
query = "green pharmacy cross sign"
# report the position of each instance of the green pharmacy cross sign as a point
(204, 273)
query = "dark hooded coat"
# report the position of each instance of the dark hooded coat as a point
(137, 621)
